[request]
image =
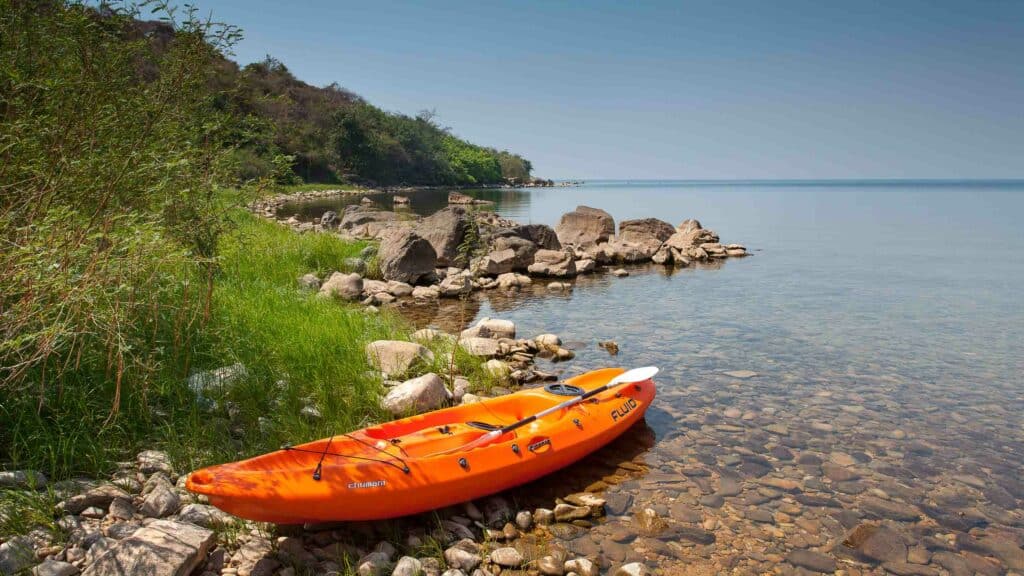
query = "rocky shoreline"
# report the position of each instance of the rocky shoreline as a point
(459, 250)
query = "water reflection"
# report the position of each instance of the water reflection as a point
(510, 202)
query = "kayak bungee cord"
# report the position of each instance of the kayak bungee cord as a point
(319, 466)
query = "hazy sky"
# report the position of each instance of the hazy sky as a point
(713, 89)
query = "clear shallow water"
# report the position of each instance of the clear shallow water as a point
(885, 324)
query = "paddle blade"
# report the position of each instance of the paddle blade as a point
(635, 375)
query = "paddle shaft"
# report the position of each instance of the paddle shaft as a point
(631, 378)
(570, 402)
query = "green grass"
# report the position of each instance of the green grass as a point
(299, 349)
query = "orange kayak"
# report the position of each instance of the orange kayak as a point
(423, 462)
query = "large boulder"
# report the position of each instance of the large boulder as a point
(366, 222)
(161, 548)
(405, 256)
(645, 231)
(553, 263)
(396, 357)
(417, 395)
(344, 286)
(585, 226)
(540, 234)
(445, 230)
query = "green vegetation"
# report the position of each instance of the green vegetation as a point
(331, 135)
(126, 265)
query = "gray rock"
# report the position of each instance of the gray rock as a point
(217, 378)
(420, 394)
(456, 285)
(161, 501)
(491, 328)
(484, 347)
(309, 282)
(408, 566)
(507, 557)
(445, 230)
(163, 548)
(121, 509)
(813, 561)
(21, 479)
(559, 264)
(16, 555)
(522, 250)
(366, 222)
(343, 286)
(150, 461)
(513, 280)
(100, 496)
(496, 511)
(645, 230)
(253, 558)
(542, 235)
(205, 515)
(122, 530)
(524, 520)
(456, 572)
(405, 256)
(51, 567)
(399, 289)
(497, 262)
(426, 292)
(329, 219)
(464, 555)
(373, 564)
(879, 543)
(396, 357)
(543, 516)
(568, 512)
(585, 226)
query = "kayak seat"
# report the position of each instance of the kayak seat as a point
(482, 425)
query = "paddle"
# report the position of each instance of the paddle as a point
(628, 377)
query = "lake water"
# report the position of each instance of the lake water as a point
(885, 324)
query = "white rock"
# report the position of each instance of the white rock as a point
(632, 569)
(497, 369)
(344, 286)
(396, 356)
(417, 395)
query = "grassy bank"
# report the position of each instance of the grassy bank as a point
(298, 350)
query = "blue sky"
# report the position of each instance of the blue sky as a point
(715, 89)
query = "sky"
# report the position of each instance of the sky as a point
(693, 90)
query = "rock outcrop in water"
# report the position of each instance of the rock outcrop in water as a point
(458, 250)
